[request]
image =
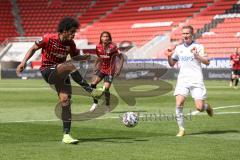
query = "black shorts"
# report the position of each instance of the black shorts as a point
(236, 72)
(106, 77)
(61, 82)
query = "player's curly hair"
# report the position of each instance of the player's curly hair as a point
(108, 33)
(67, 23)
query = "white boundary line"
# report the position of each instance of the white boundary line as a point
(233, 106)
(25, 88)
(116, 117)
(217, 108)
(31, 120)
(194, 113)
(228, 113)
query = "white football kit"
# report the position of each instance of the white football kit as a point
(190, 77)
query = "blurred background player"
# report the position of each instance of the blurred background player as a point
(106, 65)
(189, 55)
(55, 69)
(235, 62)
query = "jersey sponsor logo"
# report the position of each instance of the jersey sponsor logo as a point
(57, 46)
(186, 58)
(58, 55)
(104, 56)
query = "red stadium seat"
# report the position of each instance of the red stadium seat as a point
(119, 22)
(7, 27)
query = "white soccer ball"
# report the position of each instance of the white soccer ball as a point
(130, 119)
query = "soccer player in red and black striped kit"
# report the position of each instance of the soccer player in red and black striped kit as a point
(235, 62)
(107, 53)
(55, 69)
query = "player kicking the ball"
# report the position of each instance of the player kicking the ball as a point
(56, 70)
(189, 56)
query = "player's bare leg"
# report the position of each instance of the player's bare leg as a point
(106, 87)
(179, 115)
(231, 83)
(201, 106)
(232, 80)
(236, 82)
(64, 98)
(107, 94)
(96, 80)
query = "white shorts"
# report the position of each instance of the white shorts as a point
(198, 92)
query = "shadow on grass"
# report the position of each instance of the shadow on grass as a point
(215, 132)
(109, 139)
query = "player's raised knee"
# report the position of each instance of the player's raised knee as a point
(65, 100)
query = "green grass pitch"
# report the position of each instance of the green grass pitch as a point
(29, 129)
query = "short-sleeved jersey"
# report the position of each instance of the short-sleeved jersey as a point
(54, 51)
(107, 57)
(190, 68)
(235, 58)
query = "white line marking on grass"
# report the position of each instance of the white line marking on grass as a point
(194, 113)
(113, 117)
(233, 106)
(218, 87)
(24, 88)
(117, 117)
(32, 120)
(197, 113)
(228, 113)
(216, 108)
(51, 120)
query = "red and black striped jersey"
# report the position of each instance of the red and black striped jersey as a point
(107, 58)
(54, 51)
(235, 58)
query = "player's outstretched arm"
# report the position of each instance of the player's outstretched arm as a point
(28, 55)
